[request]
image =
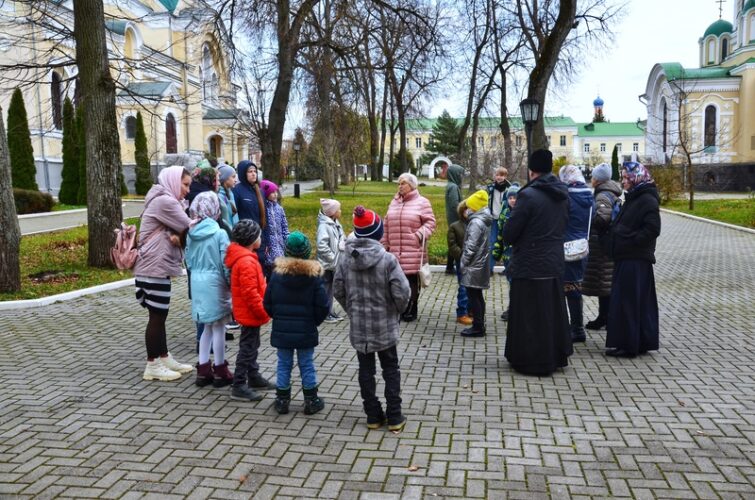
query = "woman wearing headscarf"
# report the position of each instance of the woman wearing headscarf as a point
(633, 308)
(581, 207)
(250, 202)
(599, 271)
(164, 222)
(408, 226)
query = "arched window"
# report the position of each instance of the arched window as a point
(752, 28)
(665, 126)
(711, 51)
(216, 146)
(130, 44)
(215, 88)
(130, 127)
(207, 71)
(710, 126)
(56, 93)
(724, 48)
(171, 143)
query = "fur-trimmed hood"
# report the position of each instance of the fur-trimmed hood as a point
(297, 267)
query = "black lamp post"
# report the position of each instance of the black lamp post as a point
(530, 109)
(297, 147)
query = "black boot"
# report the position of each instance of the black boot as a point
(282, 399)
(574, 302)
(257, 381)
(411, 312)
(602, 320)
(312, 403)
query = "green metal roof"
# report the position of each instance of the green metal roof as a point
(719, 28)
(675, 71)
(609, 129)
(116, 26)
(170, 5)
(145, 89)
(220, 114)
(488, 122)
(749, 5)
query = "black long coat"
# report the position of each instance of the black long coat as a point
(634, 232)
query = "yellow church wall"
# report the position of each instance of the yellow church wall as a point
(746, 143)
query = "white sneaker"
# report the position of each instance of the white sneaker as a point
(171, 364)
(155, 370)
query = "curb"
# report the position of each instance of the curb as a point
(709, 221)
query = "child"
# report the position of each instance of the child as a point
(297, 301)
(329, 241)
(475, 260)
(276, 231)
(211, 297)
(497, 202)
(247, 291)
(372, 288)
(455, 244)
(502, 251)
(227, 181)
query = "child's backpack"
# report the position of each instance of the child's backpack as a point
(124, 252)
(616, 208)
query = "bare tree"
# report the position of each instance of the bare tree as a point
(10, 236)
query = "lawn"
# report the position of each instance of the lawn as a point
(738, 212)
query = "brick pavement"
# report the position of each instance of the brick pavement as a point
(76, 419)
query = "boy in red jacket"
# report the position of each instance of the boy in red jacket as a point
(247, 291)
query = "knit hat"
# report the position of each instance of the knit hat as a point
(246, 232)
(602, 172)
(571, 174)
(513, 190)
(367, 224)
(268, 188)
(541, 161)
(297, 245)
(478, 200)
(329, 206)
(226, 171)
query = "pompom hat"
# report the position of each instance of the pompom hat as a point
(367, 224)
(268, 188)
(298, 246)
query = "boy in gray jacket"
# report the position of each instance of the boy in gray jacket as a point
(373, 290)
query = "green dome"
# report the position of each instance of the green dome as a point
(750, 4)
(720, 27)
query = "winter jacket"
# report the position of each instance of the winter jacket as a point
(455, 239)
(501, 251)
(163, 215)
(581, 206)
(632, 235)
(297, 301)
(245, 194)
(227, 204)
(475, 257)
(247, 286)
(537, 227)
(275, 233)
(329, 241)
(372, 288)
(494, 194)
(407, 219)
(205, 257)
(454, 174)
(599, 272)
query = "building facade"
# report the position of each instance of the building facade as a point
(168, 61)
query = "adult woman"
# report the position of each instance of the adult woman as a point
(164, 223)
(408, 225)
(599, 272)
(581, 206)
(250, 203)
(633, 309)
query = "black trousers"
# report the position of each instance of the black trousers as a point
(414, 300)
(246, 359)
(391, 376)
(476, 306)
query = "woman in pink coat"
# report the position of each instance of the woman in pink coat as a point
(408, 225)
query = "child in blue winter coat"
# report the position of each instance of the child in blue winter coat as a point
(275, 233)
(501, 251)
(206, 245)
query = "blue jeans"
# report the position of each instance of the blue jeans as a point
(306, 359)
(461, 295)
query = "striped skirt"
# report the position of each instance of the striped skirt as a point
(153, 293)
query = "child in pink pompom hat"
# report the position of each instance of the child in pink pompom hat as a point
(276, 231)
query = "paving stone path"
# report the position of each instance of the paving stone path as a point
(76, 419)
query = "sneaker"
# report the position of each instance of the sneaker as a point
(464, 320)
(337, 317)
(375, 424)
(332, 319)
(245, 393)
(155, 370)
(397, 426)
(171, 364)
(232, 325)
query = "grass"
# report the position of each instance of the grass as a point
(738, 212)
(60, 207)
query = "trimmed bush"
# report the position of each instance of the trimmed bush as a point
(30, 201)
(69, 186)
(23, 169)
(144, 179)
(668, 180)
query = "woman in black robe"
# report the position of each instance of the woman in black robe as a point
(633, 309)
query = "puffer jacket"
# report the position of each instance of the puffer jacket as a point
(455, 239)
(275, 234)
(205, 257)
(599, 271)
(247, 286)
(163, 214)
(329, 240)
(454, 174)
(475, 257)
(581, 204)
(634, 232)
(371, 287)
(297, 301)
(407, 219)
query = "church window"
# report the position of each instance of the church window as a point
(710, 126)
(711, 52)
(724, 48)
(418, 142)
(562, 140)
(586, 147)
(56, 100)
(665, 126)
(128, 48)
(171, 143)
(216, 146)
(493, 141)
(130, 127)
(519, 141)
(602, 147)
(752, 28)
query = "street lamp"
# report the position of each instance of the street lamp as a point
(530, 109)
(297, 147)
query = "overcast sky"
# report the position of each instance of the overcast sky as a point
(651, 31)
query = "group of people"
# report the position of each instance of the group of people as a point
(245, 265)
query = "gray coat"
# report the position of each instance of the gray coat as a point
(599, 271)
(475, 257)
(373, 290)
(329, 241)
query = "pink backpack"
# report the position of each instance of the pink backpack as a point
(124, 253)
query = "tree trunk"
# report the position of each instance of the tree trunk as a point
(10, 236)
(508, 156)
(271, 148)
(381, 159)
(103, 149)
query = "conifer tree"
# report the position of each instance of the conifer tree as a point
(23, 170)
(69, 186)
(81, 136)
(598, 116)
(141, 156)
(444, 138)
(615, 163)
